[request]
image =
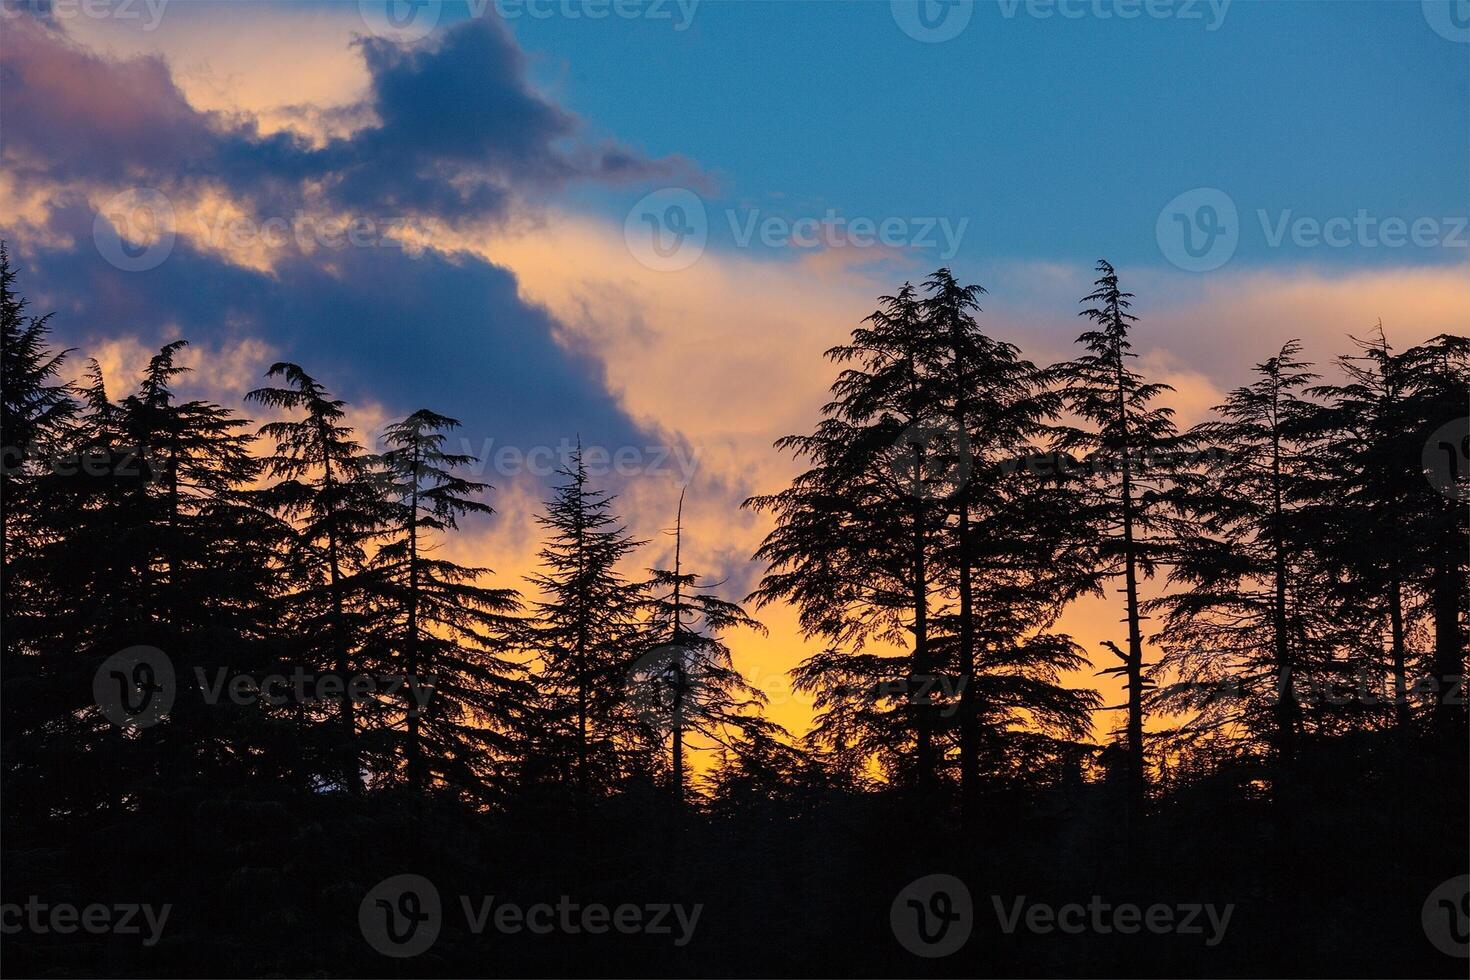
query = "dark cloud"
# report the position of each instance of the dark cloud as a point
(374, 324)
(457, 132)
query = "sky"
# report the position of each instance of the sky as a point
(639, 223)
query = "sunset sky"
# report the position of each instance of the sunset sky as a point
(1257, 171)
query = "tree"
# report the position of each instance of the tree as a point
(330, 490)
(1016, 547)
(854, 542)
(1130, 437)
(1248, 640)
(584, 629)
(687, 682)
(442, 629)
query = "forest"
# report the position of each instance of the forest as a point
(243, 680)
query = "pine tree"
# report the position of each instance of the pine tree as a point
(854, 543)
(462, 703)
(687, 682)
(1122, 451)
(330, 490)
(1365, 515)
(584, 628)
(1017, 547)
(1252, 618)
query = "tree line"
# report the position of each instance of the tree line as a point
(1308, 542)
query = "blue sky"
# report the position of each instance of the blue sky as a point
(1059, 138)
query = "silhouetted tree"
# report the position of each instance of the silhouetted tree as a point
(687, 683)
(463, 704)
(1125, 452)
(584, 630)
(1249, 640)
(329, 488)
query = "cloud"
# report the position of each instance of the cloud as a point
(457, 131)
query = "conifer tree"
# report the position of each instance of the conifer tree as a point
(1016, 547)
(584, 629)
(855, 540)
(687, 682)
(1121, 451)
(440, 629)
(1252, 615)
(331, 492)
